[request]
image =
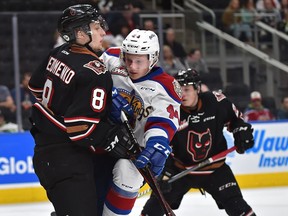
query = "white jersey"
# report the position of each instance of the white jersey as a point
(155, 98)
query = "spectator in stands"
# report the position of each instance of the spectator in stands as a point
(137, 6)
(283, 111)
(117, 5)
(177, 48)
(105, 6)
(248, 16)
(124, 31)
(149, 25)
(271, 16)
(123, 15)
(195, 61)
(255, 110)
(7, 104)
(283, 24)
(26, 99)
(232, 22)
(284, 10)
(260, 4)
(283, 27)
(228, 17)
(7, 126)
(171, 64)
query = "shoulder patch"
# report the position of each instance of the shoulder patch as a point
(219, 95)
(96, 66)
(177, 88)
(121, 70)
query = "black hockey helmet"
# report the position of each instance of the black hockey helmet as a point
(188, 77)
(78, 16)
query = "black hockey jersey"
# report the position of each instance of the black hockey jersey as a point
(200, 134)
(73, 88)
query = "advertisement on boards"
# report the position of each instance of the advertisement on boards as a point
(16, 152)
(269, 154)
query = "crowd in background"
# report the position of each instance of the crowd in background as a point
(122, 16)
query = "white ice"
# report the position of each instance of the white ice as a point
(264, 201)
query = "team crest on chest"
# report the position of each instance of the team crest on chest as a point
(137, 103)
(199, 144)
(96, 66)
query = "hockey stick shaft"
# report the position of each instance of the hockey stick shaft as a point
(146, 172)
(202, 164)
(196, 167)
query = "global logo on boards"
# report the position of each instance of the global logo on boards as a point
(10, 166)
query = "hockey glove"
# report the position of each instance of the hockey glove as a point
(169, 171)
(119, 144)
(119, 103)
(243, 137)
(154, 155)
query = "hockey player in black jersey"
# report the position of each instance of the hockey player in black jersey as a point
(200, 136)
(70, 119)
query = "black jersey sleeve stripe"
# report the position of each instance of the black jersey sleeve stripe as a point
(50, 117)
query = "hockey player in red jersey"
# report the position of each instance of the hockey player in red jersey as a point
(200, 136)
(155, 98)
(70, 119)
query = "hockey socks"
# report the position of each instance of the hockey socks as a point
(119, 201)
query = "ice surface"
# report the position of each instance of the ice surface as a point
(264, 201)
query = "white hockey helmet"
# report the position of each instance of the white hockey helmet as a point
(142, 42)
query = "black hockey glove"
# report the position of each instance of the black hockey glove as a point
(169, 171)
(243, 137)
(118, 143)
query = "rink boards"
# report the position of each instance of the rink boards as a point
(263, 166)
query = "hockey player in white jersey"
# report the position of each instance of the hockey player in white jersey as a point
(155, 98)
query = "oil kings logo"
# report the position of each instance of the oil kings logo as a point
(10, 166)
(137, 104)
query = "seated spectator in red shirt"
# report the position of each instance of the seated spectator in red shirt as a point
(256, 111)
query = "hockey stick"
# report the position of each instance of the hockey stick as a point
(202, 164)
(196, 167)
(146, 172)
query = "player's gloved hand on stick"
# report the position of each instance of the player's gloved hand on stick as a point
(119, 103)
(243, 137)
(118, 142)
(154, 155)
(169, 170)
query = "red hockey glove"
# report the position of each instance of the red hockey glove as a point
(243, 137)
(154, 155)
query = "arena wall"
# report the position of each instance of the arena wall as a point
(264, 165)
